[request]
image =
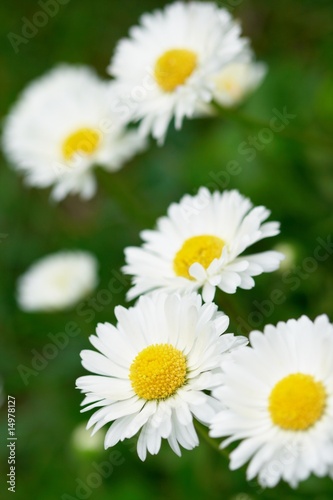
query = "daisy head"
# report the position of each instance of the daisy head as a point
(60, 128)
(57, 281)
(165, 68)
(198, 244)
(237, 79)
(279, 402)
(153, 369)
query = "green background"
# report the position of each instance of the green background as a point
(291, 175)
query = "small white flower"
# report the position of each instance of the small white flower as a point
(237, 80)
(198, 245)
(279, 402)
(60, 128)
(165, 68)
(153, 369)
(57, 281)
(82, 441)
(291, 255)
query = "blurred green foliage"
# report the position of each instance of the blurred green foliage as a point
(292, 175)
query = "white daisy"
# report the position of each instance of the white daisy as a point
(165, 67)
(57, 281)
(238, 79)
(82, 441)
(60, 128)
(198, 245)
(279, 398)
(153, 369)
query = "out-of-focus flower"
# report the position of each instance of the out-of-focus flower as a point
(61, 127)
(236, 80)
(290, 253)
(57, 281)
(82, 441)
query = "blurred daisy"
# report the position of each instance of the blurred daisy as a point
(198, 244)
(165, 67)
(153, 369)
(57, 281)
(60, 128)
(279, 395)
(82, 441)
(290, 251)
(236, 80)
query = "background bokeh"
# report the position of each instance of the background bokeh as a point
(291, 173)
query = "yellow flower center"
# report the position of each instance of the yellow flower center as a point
(297, 402)
(83, 141)
(202, 249)
(174, 67)
(158, 371)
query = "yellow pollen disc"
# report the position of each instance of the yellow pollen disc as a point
(202, 249)
(174, 67)
(83, 141)
(297, 402)
(158, 371)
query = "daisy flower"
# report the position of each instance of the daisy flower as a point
(57, 281)
(165, 68)
(198, 245)
(279, 399)
(237, 79)
(82, 441)
(152, 371)
(60, 128)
